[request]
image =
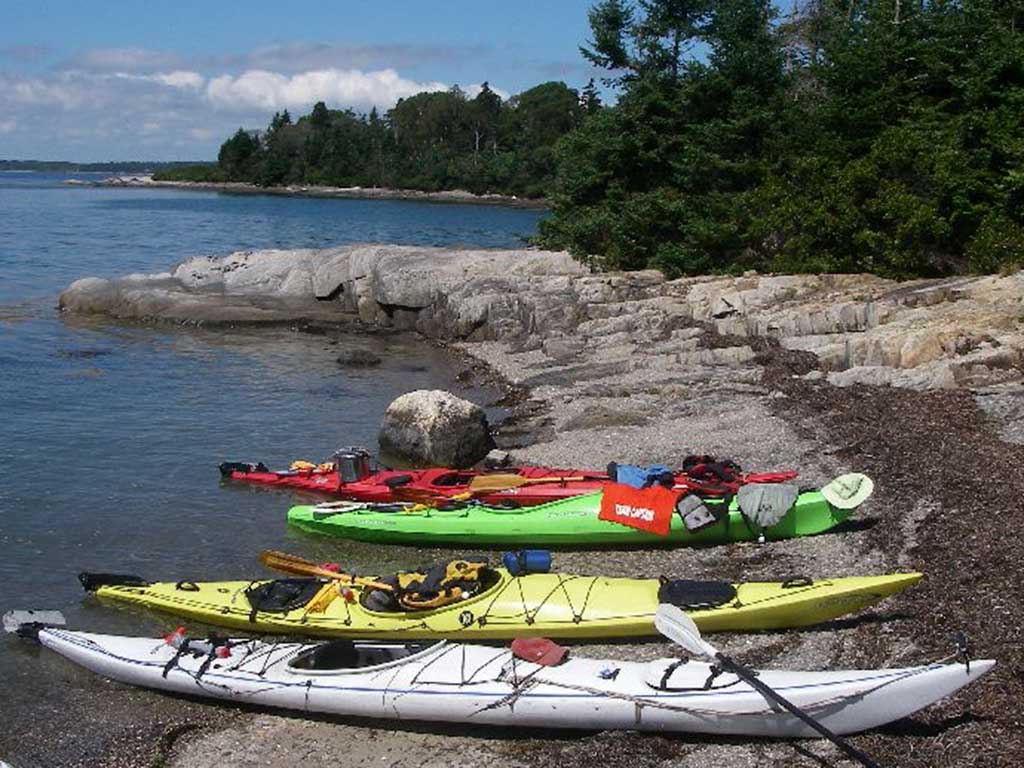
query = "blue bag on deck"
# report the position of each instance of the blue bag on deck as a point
(640, 477)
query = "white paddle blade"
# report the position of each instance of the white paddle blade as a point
(848, 491)
(674, 624)
(14, 619)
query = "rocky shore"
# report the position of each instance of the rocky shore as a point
(312, 190)
(918, 384)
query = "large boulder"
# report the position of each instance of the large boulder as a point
(436, 428)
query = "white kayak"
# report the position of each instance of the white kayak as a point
(488, 685)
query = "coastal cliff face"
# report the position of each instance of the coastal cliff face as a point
(922, 334)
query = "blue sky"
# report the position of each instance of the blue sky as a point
(109, 79)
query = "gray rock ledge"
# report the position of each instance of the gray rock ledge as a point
(922, 334)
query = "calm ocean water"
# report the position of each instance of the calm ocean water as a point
(110, 434)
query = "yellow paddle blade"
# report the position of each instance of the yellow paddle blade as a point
(496, 482)
(503, 482)
(282, 561)
(323, 599)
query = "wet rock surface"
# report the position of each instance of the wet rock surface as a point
(360, 358)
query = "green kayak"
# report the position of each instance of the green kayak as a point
(570, 522)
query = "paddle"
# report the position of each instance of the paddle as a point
(425, 498)
(680, 629)
(499, 482)
(282, 561)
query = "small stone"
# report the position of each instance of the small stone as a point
(563, 348)
(497, 459)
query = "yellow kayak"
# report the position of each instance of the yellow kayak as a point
(506, 606)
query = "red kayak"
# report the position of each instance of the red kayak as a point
(543, 484)
(440, 482)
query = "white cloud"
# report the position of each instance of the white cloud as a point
(177, 79)
(266, 90)
(134, 102)
(128, 59)
(78, 92)
(34, 91)
(181, 79)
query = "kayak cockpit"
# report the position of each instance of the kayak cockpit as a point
(338, 656)
(437, 594)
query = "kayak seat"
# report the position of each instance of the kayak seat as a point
(450, 479)
(695, 595)
(337, 654)
(281, 595)
(347, 654)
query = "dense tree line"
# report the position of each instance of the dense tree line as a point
(430, 141)
(877, 135)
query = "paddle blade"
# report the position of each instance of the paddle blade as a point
(680, 629)
(13, 621)
(497, 482)
(848, 491)
(297, 566)
(282, 561)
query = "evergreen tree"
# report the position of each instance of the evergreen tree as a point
(319, 118)
(239, 155)
(661, 178)
(485, 112)
(590, 99)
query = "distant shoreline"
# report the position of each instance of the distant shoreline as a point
(145, 181)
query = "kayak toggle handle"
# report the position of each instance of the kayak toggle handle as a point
(963, 649)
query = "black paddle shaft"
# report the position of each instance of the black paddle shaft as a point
(749, 677)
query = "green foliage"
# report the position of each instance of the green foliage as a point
(590, 99)
(854, 135)
(430, 141)
(239, 155)
(663, 178)
(200, 172)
